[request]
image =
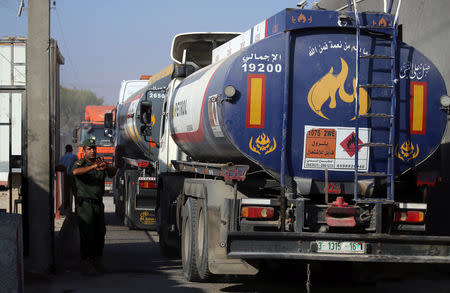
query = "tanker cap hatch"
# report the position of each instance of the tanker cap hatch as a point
(229, 91)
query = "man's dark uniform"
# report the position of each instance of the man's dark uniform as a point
(90, 210)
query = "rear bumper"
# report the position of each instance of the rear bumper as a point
(302, 246)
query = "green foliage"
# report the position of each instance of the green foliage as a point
(72, 105)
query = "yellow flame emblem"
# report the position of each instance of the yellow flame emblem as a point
(263, 144)
(327, 87)
(153, 119)
(407, 151)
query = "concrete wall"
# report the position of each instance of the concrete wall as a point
(39, 198)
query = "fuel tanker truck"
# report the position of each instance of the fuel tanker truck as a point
(311, 136)
(136, 152)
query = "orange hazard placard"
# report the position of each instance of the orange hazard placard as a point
(321, 143)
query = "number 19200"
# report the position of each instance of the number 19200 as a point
(261, 67)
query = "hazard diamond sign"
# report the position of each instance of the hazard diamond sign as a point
(348, 144)
(333, 148)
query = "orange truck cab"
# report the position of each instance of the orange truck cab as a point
(93, 127)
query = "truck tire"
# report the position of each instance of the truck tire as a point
(164, 248)
(120, 207)
(188, 236)
(201, 247)
(127, 196)
(116, 208)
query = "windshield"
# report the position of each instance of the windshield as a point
(92, 131)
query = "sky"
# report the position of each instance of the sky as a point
(107, 41)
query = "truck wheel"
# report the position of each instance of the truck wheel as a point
(162, 232)
(116, 208)
(120, 209)
(201, 248)
(188, 236)
(126, 221)
(126, 218)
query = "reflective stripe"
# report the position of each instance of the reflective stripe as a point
(256, 100)
(418, 108)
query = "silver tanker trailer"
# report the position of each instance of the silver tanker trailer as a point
(136, 137)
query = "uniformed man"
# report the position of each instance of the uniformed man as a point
(89, 173)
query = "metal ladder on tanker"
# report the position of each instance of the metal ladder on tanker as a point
(389, 173)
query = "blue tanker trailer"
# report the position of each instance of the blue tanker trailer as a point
(301, 138)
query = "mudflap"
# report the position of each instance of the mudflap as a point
(219, 198)
(143, 219)
(143, 210)
(140, 208)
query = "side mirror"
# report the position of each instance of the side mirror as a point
(146, 119)
(108, 121)
(146, 112)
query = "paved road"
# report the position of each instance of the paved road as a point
(136, 266)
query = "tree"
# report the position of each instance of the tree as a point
(72, 105)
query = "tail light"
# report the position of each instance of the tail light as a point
(147, 183)
(143, 164)
(409, 216)
(254, 212)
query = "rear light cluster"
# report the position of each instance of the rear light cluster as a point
(257, 212)
(147, 183)
(143, 164)
(409, 216)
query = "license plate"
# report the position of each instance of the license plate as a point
(341, 247)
